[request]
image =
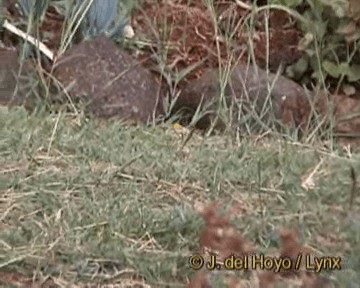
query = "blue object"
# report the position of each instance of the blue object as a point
(102, 18)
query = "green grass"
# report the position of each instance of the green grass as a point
(94, 202)
(86, 201)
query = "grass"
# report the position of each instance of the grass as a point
(84, 201)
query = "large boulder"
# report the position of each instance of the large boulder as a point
(250, 88)
(108, 81)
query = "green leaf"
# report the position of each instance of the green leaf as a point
(339, 7)
(297, 70)
(354, 73)
(332, 69)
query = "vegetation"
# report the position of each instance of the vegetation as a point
(88, 202)
(91, 202)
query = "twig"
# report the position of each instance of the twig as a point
(243, 5)
(45, 50)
